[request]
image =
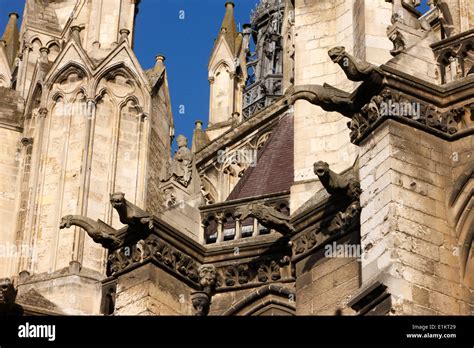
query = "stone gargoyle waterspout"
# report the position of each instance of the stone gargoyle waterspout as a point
(336, 184)
(354, 68)
(267, 216)
(330, 98)
(139, 224)
(346, 188)
(99, 231)
(129, 213)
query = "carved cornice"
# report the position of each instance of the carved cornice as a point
(241, 273)
(441, 96)
(154, 249)
(148, 239)
(313, 237)
(391, 104)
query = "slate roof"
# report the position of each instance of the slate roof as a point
(12, 38)
(274, 170)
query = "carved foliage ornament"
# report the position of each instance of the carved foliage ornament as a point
(255, 272)
(158, 250)
(394, 104)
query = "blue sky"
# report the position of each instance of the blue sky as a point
(186, 43)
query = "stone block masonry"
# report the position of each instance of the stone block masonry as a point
(408, 241)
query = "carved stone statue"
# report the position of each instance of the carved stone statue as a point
(398, 41)
(354, 68)
(8, 293)
(336, 184)
(99, 231)
(182, 164)
(207, 277)
(269, 217)
(129, 213)
(201, 301)
(344, 219)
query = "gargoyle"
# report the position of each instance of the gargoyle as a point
(345, 219)
(327, 97)
(99, 231)
(354, 68)
(8, 293)
(336, 184)
(268, 217)
(129, 213)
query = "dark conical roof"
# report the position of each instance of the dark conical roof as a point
(11, 36)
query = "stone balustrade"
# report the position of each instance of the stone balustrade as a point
(224, 222)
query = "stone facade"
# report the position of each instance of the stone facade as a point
(334, 176)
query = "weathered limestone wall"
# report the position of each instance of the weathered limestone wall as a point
(10, 144)
(159, 144)
(360, 26)
(376, 15)
(149, 290)
(105, 20)
(58, 171)
(408, 242)
(5, 74)
(221, 95)
(467, 14)
(324, 285)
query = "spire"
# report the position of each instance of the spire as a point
(11, 36)
(228, 27)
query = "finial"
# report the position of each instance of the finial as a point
(159, 62)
